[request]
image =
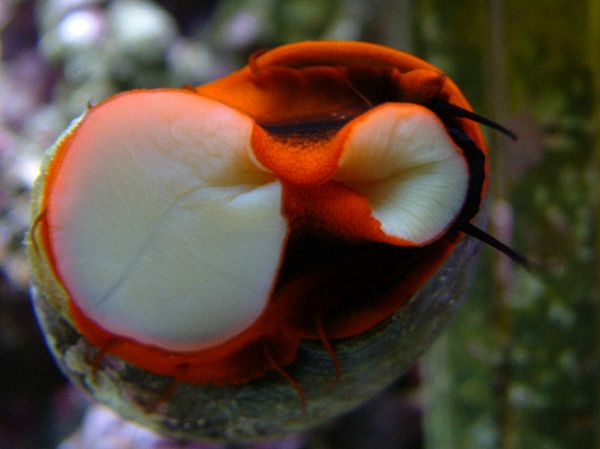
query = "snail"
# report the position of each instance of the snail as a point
(253, 256)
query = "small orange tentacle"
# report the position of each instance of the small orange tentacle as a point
(100, 355)
(252, 64)
(328, 346)
(180, 372)
(41, 217)
(287, 376)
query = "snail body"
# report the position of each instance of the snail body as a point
(203, 256)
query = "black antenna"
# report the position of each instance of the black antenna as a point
(486, 238)
(445, 108)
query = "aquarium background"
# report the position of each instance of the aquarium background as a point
(520, 366)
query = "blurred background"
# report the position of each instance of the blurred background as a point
(518, 368)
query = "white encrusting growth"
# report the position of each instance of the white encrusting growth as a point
(402, 159)
(163, 228)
